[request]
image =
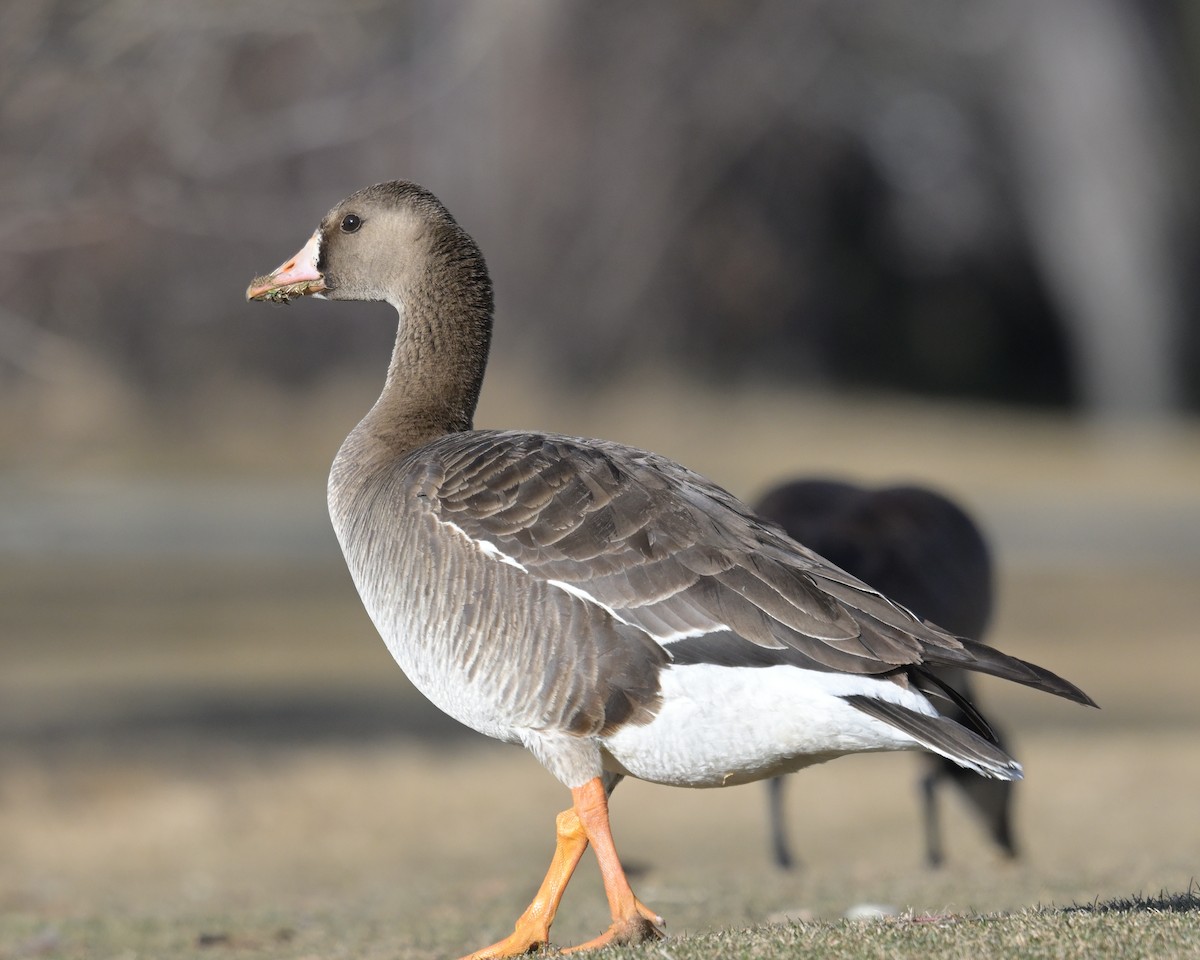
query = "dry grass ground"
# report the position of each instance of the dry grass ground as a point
(213, 757)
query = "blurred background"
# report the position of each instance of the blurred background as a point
(919, 240)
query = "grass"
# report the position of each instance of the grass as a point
(1165, 926)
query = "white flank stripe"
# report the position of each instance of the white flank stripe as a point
(688, 634)
(491, 550)
(584, 595)
(487, 548)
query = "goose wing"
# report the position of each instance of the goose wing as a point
(661, 548)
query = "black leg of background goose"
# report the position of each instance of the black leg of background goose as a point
(1003, 835)
(933, 829)
(992, 800)
(780, 849)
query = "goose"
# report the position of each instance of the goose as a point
(611, 610)
(920, 548)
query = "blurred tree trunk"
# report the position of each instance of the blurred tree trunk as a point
(1091, 124)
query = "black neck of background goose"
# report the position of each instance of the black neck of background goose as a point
(441, 348)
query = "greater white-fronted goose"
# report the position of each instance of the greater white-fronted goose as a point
(919, 548)
(611, 610)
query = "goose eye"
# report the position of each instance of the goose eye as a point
(350, 223)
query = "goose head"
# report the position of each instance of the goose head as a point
(391, 242)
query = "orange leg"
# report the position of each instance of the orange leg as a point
(633, 921)
(532, 930)
(587, 820)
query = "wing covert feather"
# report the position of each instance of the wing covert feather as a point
(664, 549)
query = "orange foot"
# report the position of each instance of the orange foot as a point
(526, 938)
(626, 931)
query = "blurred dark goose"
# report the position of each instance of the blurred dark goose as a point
(611, 610)
(923, 550)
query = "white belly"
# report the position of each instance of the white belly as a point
(720, 726)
